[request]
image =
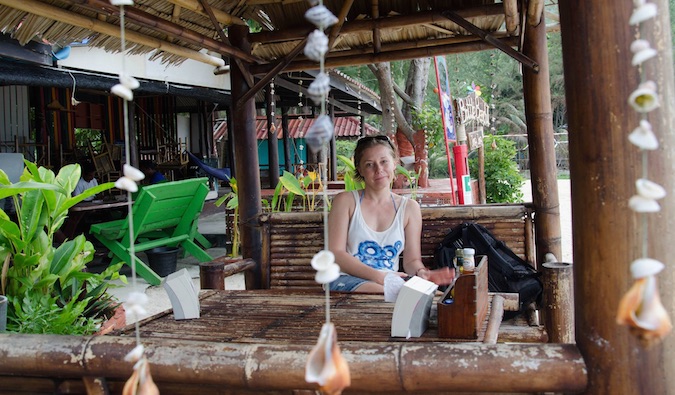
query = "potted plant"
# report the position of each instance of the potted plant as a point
(47, 286)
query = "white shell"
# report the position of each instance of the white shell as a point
(135, 354)
(329, 275)
(642, 51)
(126, 184)
(319, 133)
(317, 45)
(321, 16)
(121, 2)
(641, 204)
(644, 267)
(132, 173)
(123, 92)
(644, 98)
(642, 13)
(129, 81)
(322, 260)
(649, 189)
(313, 2)
(319, 88)
(644, 137)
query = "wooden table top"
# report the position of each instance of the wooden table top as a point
(283, 317)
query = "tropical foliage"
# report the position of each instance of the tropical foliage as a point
(48, 287)
(502, 178)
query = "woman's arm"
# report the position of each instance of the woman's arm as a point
(412, 255)
(340, 214)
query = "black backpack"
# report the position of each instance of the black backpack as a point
(507, 272)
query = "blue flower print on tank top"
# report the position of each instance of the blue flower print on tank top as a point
(377, 257)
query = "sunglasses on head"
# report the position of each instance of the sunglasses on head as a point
(380, 137)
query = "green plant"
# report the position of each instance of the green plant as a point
(351, 183)
(412, 178)
(232, 199)
(502, 179)
(290, 186)
(48, 289)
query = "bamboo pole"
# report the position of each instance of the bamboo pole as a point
(604, 167)
(61, 15)
(539, 118)
(246, 160)
(558, 301)
(221, 16)
(395, 366)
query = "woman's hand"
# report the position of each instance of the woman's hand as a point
(442, 276)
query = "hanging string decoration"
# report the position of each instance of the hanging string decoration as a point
(140, 382)
(640, 308)
(325, 364)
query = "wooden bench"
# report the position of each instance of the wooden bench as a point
(164, 215)
(290, 239)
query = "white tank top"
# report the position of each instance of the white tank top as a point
(379, 250)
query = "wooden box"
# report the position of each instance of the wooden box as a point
(464, 317)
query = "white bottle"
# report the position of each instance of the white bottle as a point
(469, 261)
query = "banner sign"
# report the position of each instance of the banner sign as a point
(443, 83)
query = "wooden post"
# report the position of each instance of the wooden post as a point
(604, 165)
(288, 159)
(212, 275)
(544, 173)
(558, 304)
(246, 159)
(272, 140)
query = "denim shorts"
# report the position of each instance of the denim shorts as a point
(347, 283)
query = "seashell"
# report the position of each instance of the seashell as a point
(319, 88)
(325, 364)
(644, 98)
(126, 184)
(123, 92)
(642, 52)
(135, 302)
(642, 13)
(649, 189)
(644, 137)
(322, 260)
(140, 382)
(135, 354)
(644, 267)
(121, 2)
(328, 275)
(133, 173)
(641, 204)
(319, 133)
(317, 45)
(641, 310)
(313, 2)
(129, 81)
(321, 16)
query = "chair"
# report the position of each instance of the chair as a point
(104, 164)
(164, 215)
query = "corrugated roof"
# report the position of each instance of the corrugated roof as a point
(297, 127)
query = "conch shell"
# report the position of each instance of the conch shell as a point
(140, 382)
(641, 309)
(325, 364)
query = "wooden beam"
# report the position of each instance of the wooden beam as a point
(221, 16)
(61, 15)
(367, 25)
(335, 30)
(535, 8)
(398, 366)
(297, 88)
(169, 28)
(216, 25)
(375, 15)
(529, 63)
(511, 17)
(389, 56)
(272, 73)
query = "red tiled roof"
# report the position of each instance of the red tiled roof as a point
(297, 127)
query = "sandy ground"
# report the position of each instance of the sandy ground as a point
(564, 197)
(158, 300)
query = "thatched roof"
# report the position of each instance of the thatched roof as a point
(370, 31)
